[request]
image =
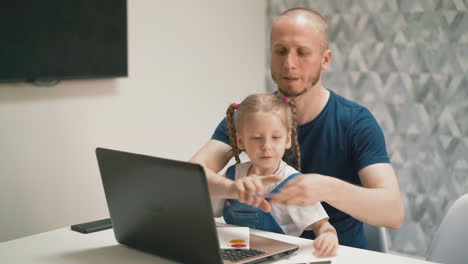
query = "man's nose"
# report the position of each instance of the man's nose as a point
(290, 61)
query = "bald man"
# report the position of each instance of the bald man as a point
(344, 157)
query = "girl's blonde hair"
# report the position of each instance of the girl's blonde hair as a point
(265, 103)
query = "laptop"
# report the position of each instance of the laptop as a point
(162, 207)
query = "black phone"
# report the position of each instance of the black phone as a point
(93, 226)
(317, 262)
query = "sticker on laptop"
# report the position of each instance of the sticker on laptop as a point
(233, 237)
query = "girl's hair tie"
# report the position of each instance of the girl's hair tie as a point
(236, 106)
(286, 99)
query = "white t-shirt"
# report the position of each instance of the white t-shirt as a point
(291, 218)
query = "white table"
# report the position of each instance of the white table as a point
(65, 246)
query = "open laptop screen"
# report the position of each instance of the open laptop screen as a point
(159, 206)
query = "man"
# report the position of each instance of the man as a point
(344, 158)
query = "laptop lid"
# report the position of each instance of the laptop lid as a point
(163, 207)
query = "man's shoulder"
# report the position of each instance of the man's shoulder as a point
(347, 104)
(348, 111)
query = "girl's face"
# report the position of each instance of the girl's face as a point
(264, 137)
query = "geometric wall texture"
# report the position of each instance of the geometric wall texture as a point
(407, 62)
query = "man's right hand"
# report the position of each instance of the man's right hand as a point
(244, 190)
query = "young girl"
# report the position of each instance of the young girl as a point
(264, 126)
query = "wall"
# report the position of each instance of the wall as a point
(188, 60)
(407, 61)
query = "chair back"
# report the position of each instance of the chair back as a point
(450, 244)
(376, 238)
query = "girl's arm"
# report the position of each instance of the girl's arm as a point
(326, 241)
(322, 226)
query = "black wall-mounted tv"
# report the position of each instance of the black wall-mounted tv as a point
(47, 40)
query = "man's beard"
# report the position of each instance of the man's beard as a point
(285, 93)
(292, 95)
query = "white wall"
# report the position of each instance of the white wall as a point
(187, 61)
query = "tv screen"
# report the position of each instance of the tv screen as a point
(44, 40)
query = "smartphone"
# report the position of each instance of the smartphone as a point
(93, 226)
(317, 262)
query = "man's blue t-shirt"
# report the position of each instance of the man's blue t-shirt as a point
(340, 141)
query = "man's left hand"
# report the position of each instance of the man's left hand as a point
(304, 190)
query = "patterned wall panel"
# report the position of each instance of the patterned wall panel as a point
(406, 61)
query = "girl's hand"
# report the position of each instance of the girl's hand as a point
(244, 190)
(326, 244)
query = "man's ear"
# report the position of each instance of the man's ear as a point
(288, 140)
(326, 59)
(240, 142)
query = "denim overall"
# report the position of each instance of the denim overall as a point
(241, 214)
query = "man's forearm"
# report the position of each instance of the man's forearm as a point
(214, 156)
(374, 206)
(218, 185)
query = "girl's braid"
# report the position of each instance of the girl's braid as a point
(295, 142)
(232, 131)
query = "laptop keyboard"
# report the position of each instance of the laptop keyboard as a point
(239, 254)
